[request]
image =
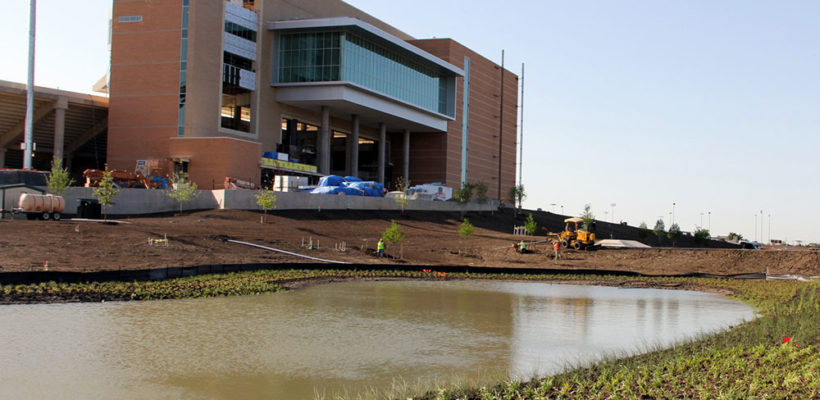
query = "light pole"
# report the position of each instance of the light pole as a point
(673, 213)
(29, 121)
(761, 225)
(671, 219)
(710, 221)
(701, 221)
(613, 212)
(562, 209)
(553, 207)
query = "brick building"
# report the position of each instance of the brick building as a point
(252, 89)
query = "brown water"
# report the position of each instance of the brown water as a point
(347, 337)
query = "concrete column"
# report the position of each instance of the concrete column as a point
(323, 147)
(354, 147)
(406, 157)
(382, 149)
(59, 126)
(2, 158)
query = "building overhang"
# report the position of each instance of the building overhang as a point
(361, 26)
(346, 98)
(86, 116)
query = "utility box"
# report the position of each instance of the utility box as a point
(89, 209)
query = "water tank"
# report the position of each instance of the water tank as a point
(38, 202)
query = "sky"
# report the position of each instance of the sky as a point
(708, 108)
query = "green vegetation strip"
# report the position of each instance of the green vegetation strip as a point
(774, 356)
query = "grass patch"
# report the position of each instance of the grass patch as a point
(749, 361)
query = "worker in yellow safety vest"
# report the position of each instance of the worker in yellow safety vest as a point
(380, 248)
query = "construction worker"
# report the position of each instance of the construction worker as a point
(380, 247)
(556, 246)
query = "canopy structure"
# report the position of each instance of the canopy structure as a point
(63, 122)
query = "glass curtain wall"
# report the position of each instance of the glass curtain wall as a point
(346, 56)
(309, 57)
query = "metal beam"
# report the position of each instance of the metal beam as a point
(17, 130)
(95, 130)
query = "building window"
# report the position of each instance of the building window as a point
(346, 56)
(183, 67)
(236, 112)
(236, 29)
(309, 57)
(299, 141)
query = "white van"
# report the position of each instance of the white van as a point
(431, 191)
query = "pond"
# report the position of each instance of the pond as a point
(352, 337)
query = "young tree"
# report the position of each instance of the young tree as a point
(182, 189)
(266, 199)
(480, 190)
(587, 215)
(659, 229)
(466, 229)
(402, 200)
(106, 192)
(58, 180)
(643, 231)
(701, 235)
(673, 234)
(530, 226)
(393, 234)
(516, 194)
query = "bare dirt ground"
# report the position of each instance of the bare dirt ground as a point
(200, 238)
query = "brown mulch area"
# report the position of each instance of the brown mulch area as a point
(200, 238)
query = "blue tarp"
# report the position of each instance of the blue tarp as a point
(337, 190)
(163, 183)
(370, 188)
(331, 180)
(349, 185)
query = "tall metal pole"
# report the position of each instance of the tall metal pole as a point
(755, 227)
(501, 127)
(521, 129)
(29, 137)
(465, 122)
(673, 214)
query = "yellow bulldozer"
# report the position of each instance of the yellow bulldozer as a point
(577, 235)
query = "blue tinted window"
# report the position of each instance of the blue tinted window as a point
(333, 56)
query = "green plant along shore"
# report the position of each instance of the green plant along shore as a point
(774, 356)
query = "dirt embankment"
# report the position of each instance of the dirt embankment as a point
(430, 239)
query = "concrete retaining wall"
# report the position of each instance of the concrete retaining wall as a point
(142, 201)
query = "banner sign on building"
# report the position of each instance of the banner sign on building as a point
(287, 165)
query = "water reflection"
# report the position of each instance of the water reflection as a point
(338, 337)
